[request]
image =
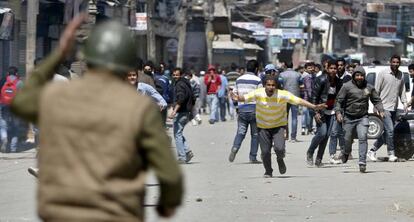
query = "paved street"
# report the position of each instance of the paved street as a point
(217, 190)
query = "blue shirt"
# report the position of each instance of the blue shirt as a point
(224, 83)
(148, 90)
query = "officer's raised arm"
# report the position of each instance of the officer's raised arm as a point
(26, 103)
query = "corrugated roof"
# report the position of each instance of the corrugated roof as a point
(252, 46)
(339, 10)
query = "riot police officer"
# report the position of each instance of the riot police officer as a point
(98, 137)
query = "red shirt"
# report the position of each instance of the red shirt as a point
(213, 84)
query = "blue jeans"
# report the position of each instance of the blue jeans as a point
(243, 122)
(323, 130)
(9, 128)
(361, 126)
(180, 142)
(231, 108)
(336, 134)
(212, 101)
(311, 116)
(222, 102)
(306, 121)
(294, 125)
(388, 134)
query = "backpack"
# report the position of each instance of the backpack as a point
(9, 90)
(162, 86)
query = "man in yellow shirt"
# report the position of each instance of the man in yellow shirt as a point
(271, 118)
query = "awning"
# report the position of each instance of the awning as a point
(226, 45)
(378, 42)
(252, 46)
(4, 10)
(247, 58)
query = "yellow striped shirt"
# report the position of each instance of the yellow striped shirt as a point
(271, 111)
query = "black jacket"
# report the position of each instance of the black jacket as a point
(320, 88)
(353, 101)
(183, 95)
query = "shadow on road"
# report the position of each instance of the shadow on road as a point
(330, 166)
(279, 177)
(370, 171)
(251, 163)
(17, 158)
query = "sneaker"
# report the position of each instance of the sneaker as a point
(344, 157)
(362, 168)
(266, 175)
(188, 156)
(318, 163)
(211, 121)
(392, 158)
(199, 121)
(294, 140)
(303, 131)
(332, 160)
(232, 155)
(309, 159)
(33, 171)
(282, 166)
(372, 155)
(194, 122)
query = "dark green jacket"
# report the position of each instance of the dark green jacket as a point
(353, 101)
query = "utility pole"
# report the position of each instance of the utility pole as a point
(209, 8)
(151, 47)
(32, 10)
(360, 13)
(182, 21)
(275, 23)
(330, 25)
(309, 31)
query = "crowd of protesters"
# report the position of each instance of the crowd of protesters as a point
(338, 95)
(186, 95)
(81, 122)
